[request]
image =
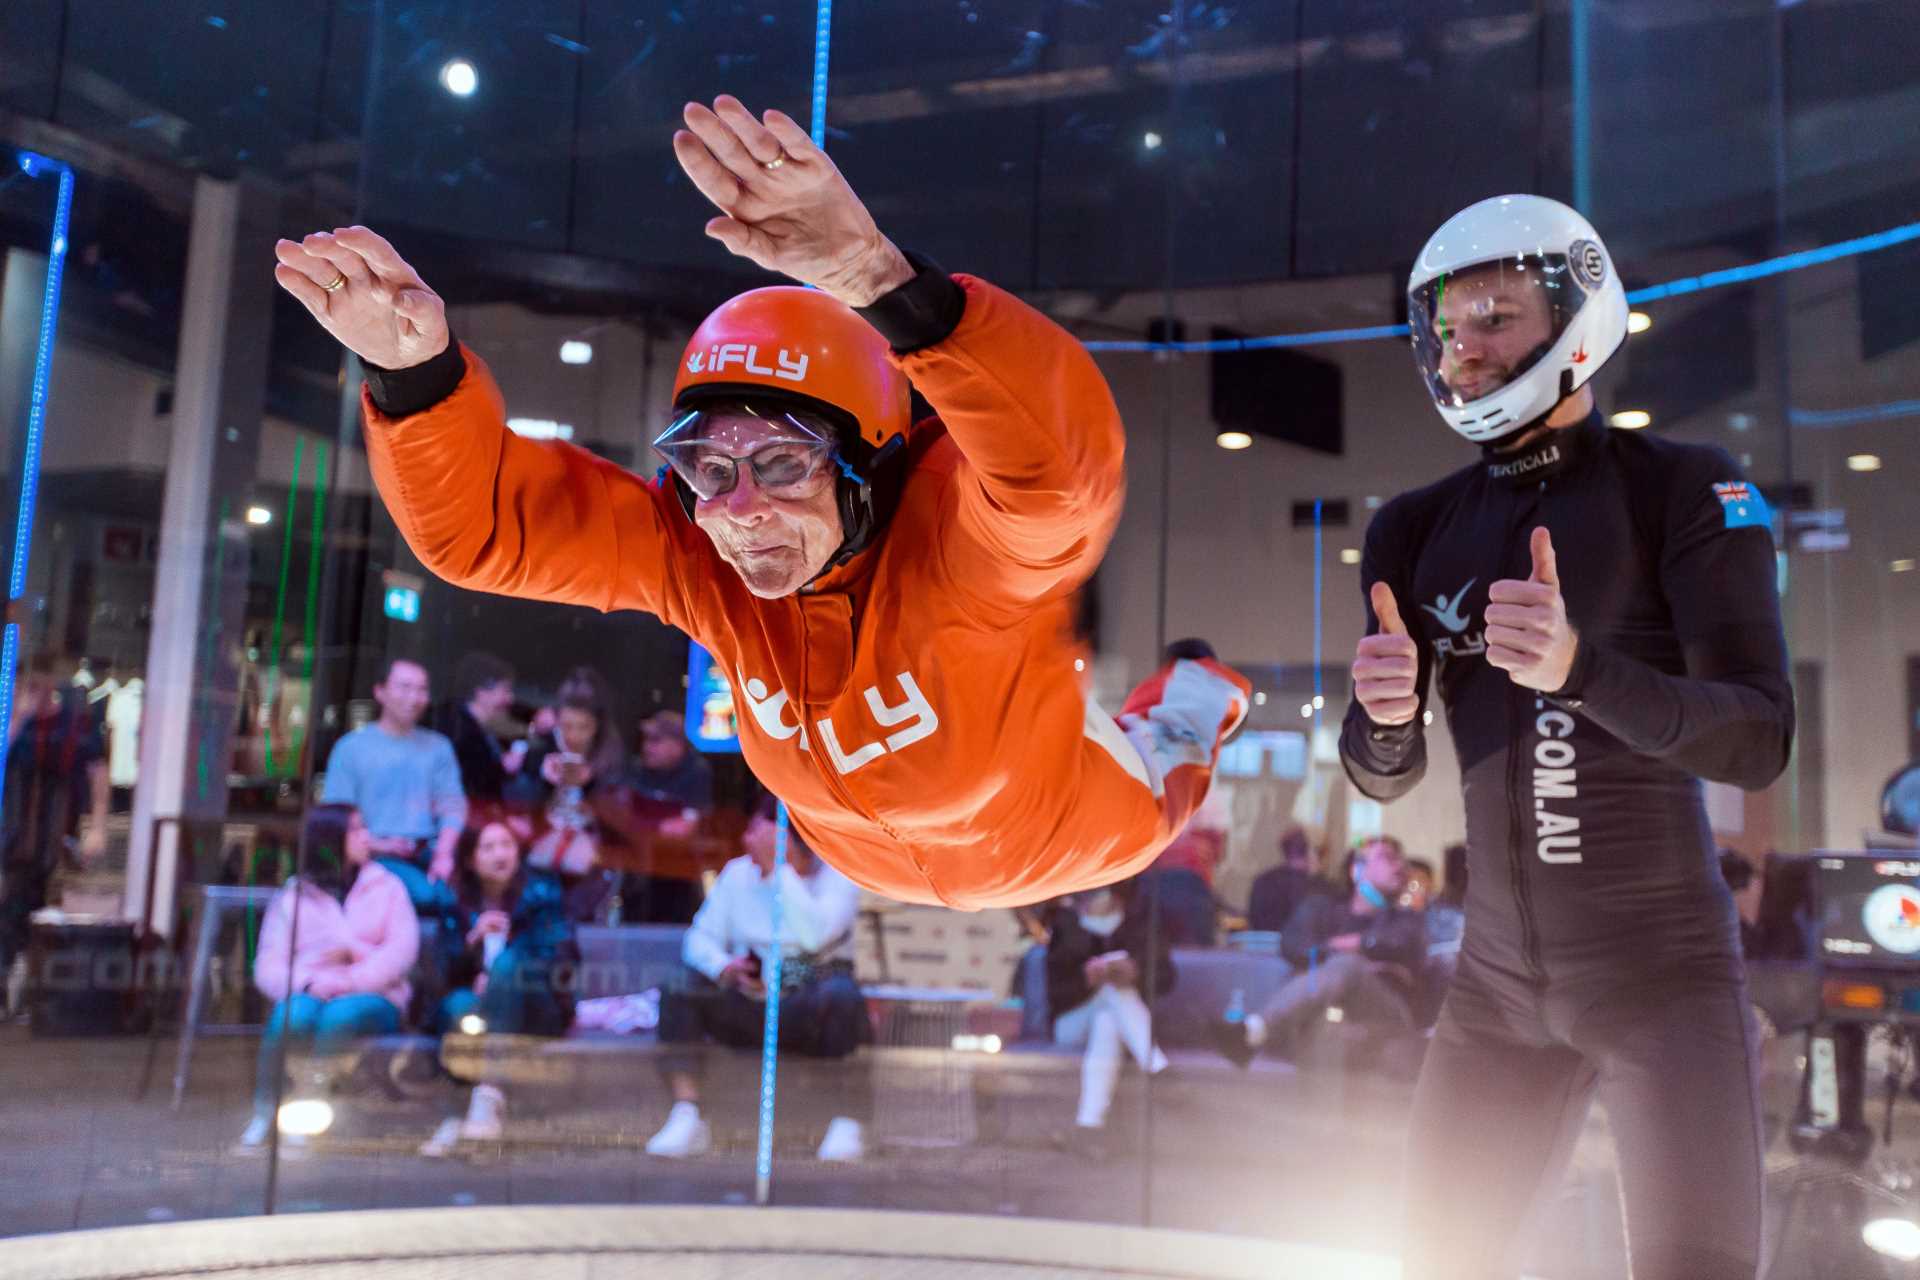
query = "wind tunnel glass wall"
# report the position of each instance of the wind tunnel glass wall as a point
(1165, 182)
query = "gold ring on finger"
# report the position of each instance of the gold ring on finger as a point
(775, 163)
(339, 282)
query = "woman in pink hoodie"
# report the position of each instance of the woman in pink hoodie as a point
(336, 946)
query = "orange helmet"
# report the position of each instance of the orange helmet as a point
(789, 354)
(804, 345)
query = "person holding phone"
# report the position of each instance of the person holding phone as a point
(572, 788)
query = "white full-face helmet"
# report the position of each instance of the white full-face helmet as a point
(1514, 303)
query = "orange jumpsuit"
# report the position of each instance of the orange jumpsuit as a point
(917, 708)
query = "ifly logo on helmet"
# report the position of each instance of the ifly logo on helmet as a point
(716, 359)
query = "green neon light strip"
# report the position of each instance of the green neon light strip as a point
(272, 691)
(312, 621)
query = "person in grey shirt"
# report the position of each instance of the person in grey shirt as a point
(405, 782)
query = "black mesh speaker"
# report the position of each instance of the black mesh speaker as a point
(1282, 394)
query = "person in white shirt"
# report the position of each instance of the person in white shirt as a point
(728, 950)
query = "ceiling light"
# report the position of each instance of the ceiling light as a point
(1306, 711)
(1863, 462)
(259, 515)
(574, 351)
(1901, 566)
(540, 428)
(1638, 322)
(1894, 1237)
(1260, 697)
(1234, 440)
(1631, 419)
(459, 78)
(1349, 555)
(1152, 141)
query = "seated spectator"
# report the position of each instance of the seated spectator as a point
(1099, 962)
(572, 784)
(1365, 954)
(672, 791)
(728, 950)
(516, 949)
(1180, 881)
(1278, 893)
(405, 782)
(1738, 871)
(56, 771)
(1418, 894)
(1446, 927)
(482, 693)
(336, 945)
(1453, 889)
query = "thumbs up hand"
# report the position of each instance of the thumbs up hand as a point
(1386, 666)
(1528, 635)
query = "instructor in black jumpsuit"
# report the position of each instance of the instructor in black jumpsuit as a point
(1598, 609)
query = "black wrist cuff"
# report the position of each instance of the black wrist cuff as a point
(921, 312)
(401, 393)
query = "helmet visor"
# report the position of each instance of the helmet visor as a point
(1478, 330)
(789, 452)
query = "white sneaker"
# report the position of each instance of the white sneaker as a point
(255, 1134)
(486, 1115)
(684, 1134)
(845, 1142)
(444, 1139)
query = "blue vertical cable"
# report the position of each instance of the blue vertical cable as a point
(822, 35)
(1319, 697)
(33, 166)
(770, 1032)
(770, 1039)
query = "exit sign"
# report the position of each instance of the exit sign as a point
(403, 604)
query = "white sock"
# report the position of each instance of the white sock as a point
(1256, 1030)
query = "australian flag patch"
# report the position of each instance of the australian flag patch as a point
(1742, 505)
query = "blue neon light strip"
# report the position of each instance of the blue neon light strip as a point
(34, 166)
(770, 1035)
(1672, 289)
(1780, 265)
(1821, 419)
(1319, 338)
